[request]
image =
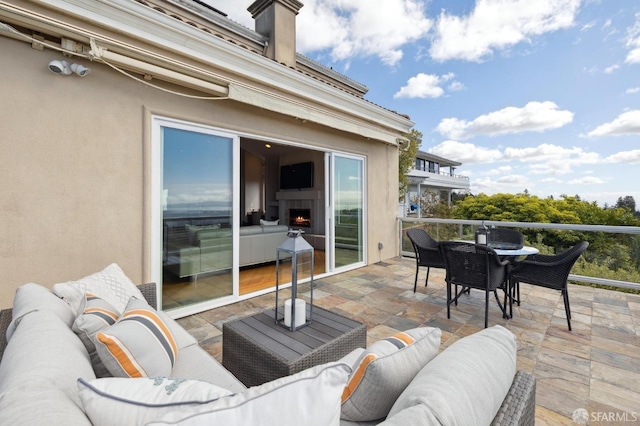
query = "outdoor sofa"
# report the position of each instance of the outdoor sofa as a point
(48, 373)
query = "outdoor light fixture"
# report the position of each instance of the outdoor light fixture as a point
(482, 235)
(295, 310)
(63, 67)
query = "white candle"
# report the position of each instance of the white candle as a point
(301, 313)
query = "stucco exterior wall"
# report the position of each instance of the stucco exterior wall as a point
(76, 161)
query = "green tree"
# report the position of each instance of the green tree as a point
(407, 159)
(627, 202)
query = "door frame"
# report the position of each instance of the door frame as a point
(157, 123)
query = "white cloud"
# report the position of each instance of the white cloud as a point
(456, 86)
(632, 90)
(611, 69)
(542, 153)
(633, 42)
(499, 170)
(534, 116)
(551, 160)
(513, 183)
(627, 123)
(466, 152)
(498, 25)
(348, 28)
(513, 180)
(588, 26)
(631, 157)
(545, 159)
(424, 86)
(235, 10)
(586, 180)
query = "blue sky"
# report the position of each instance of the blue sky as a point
(542, 95)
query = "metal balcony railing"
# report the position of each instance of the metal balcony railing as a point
(446, 229)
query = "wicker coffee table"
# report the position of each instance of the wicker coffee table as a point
(257, 350)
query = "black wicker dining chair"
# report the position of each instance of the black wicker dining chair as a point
(426, 251)
(474, 266)
(550, 271)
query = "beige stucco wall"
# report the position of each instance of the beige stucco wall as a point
(75, 153)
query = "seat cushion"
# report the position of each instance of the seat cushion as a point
(466, 383)
(383, 371)
(195, 363)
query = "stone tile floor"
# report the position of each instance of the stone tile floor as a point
(594, 367)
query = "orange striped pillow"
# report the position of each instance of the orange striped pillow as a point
(384, 370)
(139, 344)
(97, 314)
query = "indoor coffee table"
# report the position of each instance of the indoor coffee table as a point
(257, 350)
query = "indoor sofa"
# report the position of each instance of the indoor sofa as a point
(48, 375)
(196, 249)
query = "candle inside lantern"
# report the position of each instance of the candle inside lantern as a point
(301, 313)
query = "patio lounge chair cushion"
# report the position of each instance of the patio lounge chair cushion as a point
(465, 384)
(125, 401)
(110, 284)
(139, 344)
(34, 297)
(310, 398)
(97, 314)
(384, 370)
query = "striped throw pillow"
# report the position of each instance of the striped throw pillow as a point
(139, 344)
(96, 315)
(384, 370)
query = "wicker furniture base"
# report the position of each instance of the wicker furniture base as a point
(257, 350)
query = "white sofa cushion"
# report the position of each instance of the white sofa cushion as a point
(34, 297)
(126, 401)
(110, 284)
(195, 363)
(38, 374)
(310, 398)
(384, 370)
(139, 344)
(466, 383)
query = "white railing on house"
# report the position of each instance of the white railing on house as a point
(630, 230)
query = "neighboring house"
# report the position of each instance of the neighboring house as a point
(431, 176)
(185, 132)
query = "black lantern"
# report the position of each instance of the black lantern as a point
(294, 309)
(482, 235)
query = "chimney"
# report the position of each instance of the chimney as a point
(276, 20)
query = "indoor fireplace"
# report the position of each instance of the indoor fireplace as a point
(300, 217)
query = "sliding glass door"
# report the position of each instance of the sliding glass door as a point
(195, 178)
(347, 202)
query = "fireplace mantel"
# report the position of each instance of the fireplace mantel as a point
(300, 195)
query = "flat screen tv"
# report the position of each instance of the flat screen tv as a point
(296, 176)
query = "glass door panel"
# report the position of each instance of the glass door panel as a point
(197, 217)
(348, 207)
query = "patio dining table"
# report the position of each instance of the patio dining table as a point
(511, 252)
(505, 250)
